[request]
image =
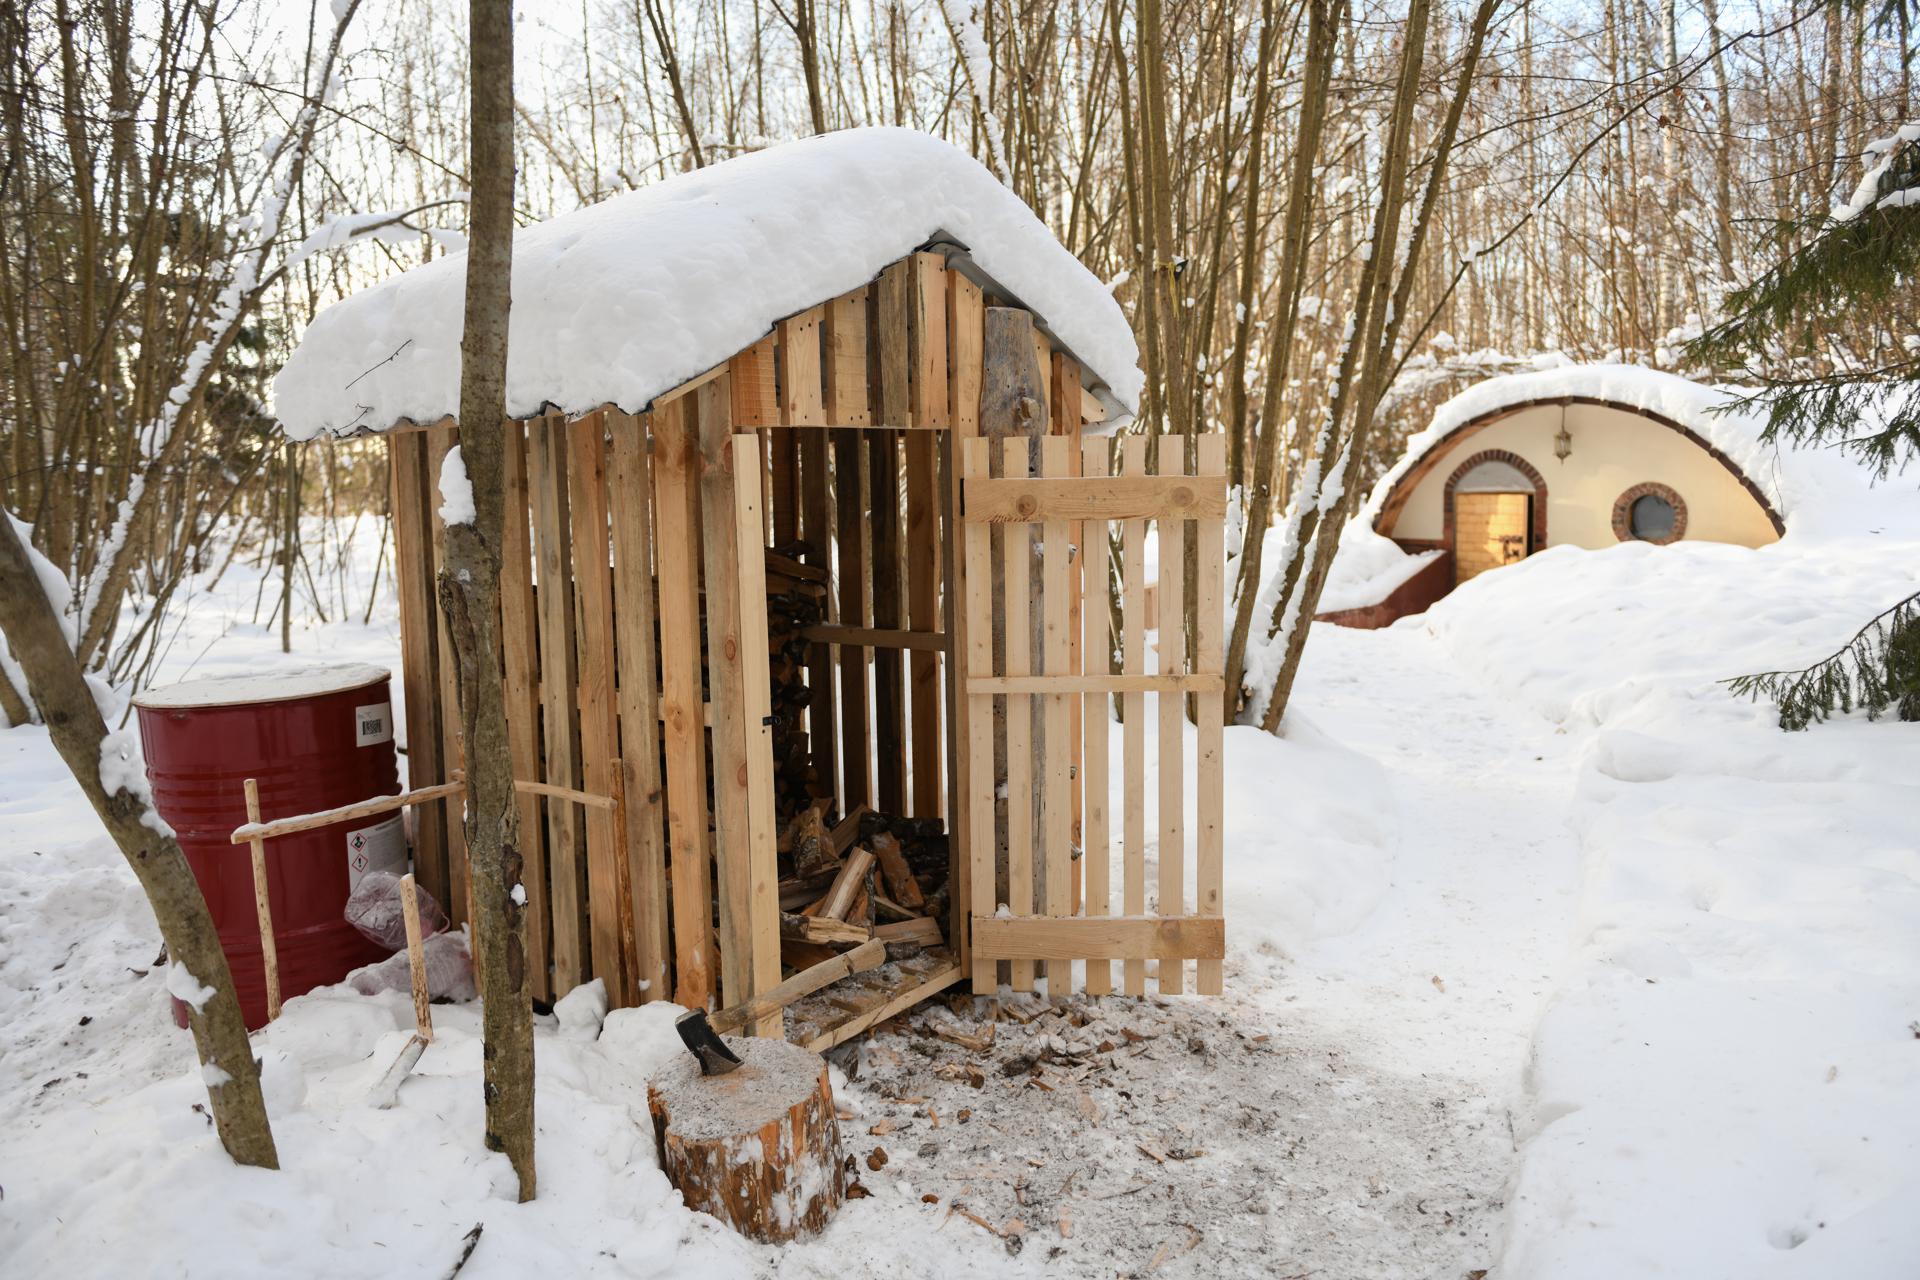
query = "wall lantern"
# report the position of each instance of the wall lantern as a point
(1562, 439)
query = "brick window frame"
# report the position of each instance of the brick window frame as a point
(1537, 534)
(1623, 512)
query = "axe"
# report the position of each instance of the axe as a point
(700, 1031)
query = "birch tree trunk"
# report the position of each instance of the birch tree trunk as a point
(470, 594)
(60, 693)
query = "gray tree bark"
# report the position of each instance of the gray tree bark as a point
(59, 690)
(470, 595)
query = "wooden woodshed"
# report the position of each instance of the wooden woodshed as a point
(787, 640)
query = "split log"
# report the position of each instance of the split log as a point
(846, 886)
(758, 1148)
(820, 929)
(894, 870)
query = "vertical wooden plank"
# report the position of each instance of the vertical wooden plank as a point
(735, 562)
(816, 527)
(598, 708)
(892, 356)
(850, 564)
(1056, 800)
(783, 473)
(1016, 557)
(930, 408)
(1171, 759)
(419, 649)
(965, 318)
(756, 400)
(559, 675)
(1065, 422)
(977, 659)
(1133, 661)
(964, 338)
(845, 356)
(1097, 652)
(801, 403)
(891, 348)
(682, 704)
(1209, 710)
(928, 390)
(520, 656)
(923, 614)
(639, 698)
(763, 872)
(1043, 358)
(440, 440)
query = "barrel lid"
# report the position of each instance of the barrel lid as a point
(283, 685)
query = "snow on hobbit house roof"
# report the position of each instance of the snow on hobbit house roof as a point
(625, 300)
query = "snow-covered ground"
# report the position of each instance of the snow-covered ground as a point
(1547, 957)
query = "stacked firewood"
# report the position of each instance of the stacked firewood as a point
(868, 875)
(796, 599)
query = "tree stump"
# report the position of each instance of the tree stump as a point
(759, 1147)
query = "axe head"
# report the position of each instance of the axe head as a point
(705, 1043)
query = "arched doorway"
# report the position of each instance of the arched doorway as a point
(1495, 510)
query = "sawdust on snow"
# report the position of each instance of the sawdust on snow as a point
(1157, 1136)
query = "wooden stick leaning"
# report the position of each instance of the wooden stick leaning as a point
(269, 950)
(387, 1092)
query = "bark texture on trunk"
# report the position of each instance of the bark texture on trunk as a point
(470, 595)
(65, 702)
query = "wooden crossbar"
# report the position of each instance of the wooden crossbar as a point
(1099, 937)
(1021, 501)
(1202, 682)
(251, 831)
(875, 637)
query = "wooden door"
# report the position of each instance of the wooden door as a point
(1489, 530)
(1057, 535)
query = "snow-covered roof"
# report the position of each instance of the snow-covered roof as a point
(1814, 489)
(622, 301)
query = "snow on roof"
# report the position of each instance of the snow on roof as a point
(624, 300)
(1815, 490)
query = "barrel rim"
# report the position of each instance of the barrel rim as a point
(253, 688)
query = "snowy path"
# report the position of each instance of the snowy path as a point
(1426, 1009)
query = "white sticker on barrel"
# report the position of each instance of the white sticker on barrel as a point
(381, 847)
(373, 724)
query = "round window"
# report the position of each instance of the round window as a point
(1651, 518)
(1649, 512)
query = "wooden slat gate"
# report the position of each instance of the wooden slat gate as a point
(1035, 538)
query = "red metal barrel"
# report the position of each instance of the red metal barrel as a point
(313, 739)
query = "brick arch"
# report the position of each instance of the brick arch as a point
(1403, 488)
(1537, 536)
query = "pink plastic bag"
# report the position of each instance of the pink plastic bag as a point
(375, 909)
(449, 970)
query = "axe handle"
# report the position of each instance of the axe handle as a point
(868, 955)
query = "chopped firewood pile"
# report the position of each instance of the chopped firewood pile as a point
(844, 878)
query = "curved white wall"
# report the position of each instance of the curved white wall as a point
(1613, 450)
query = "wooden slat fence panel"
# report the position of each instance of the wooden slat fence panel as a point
(1060, 930)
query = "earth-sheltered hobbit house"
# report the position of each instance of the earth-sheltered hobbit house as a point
(811, 529)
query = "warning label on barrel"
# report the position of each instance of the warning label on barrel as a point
(373, 724)
(382, 847)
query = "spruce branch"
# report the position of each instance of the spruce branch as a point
(1877, 671)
